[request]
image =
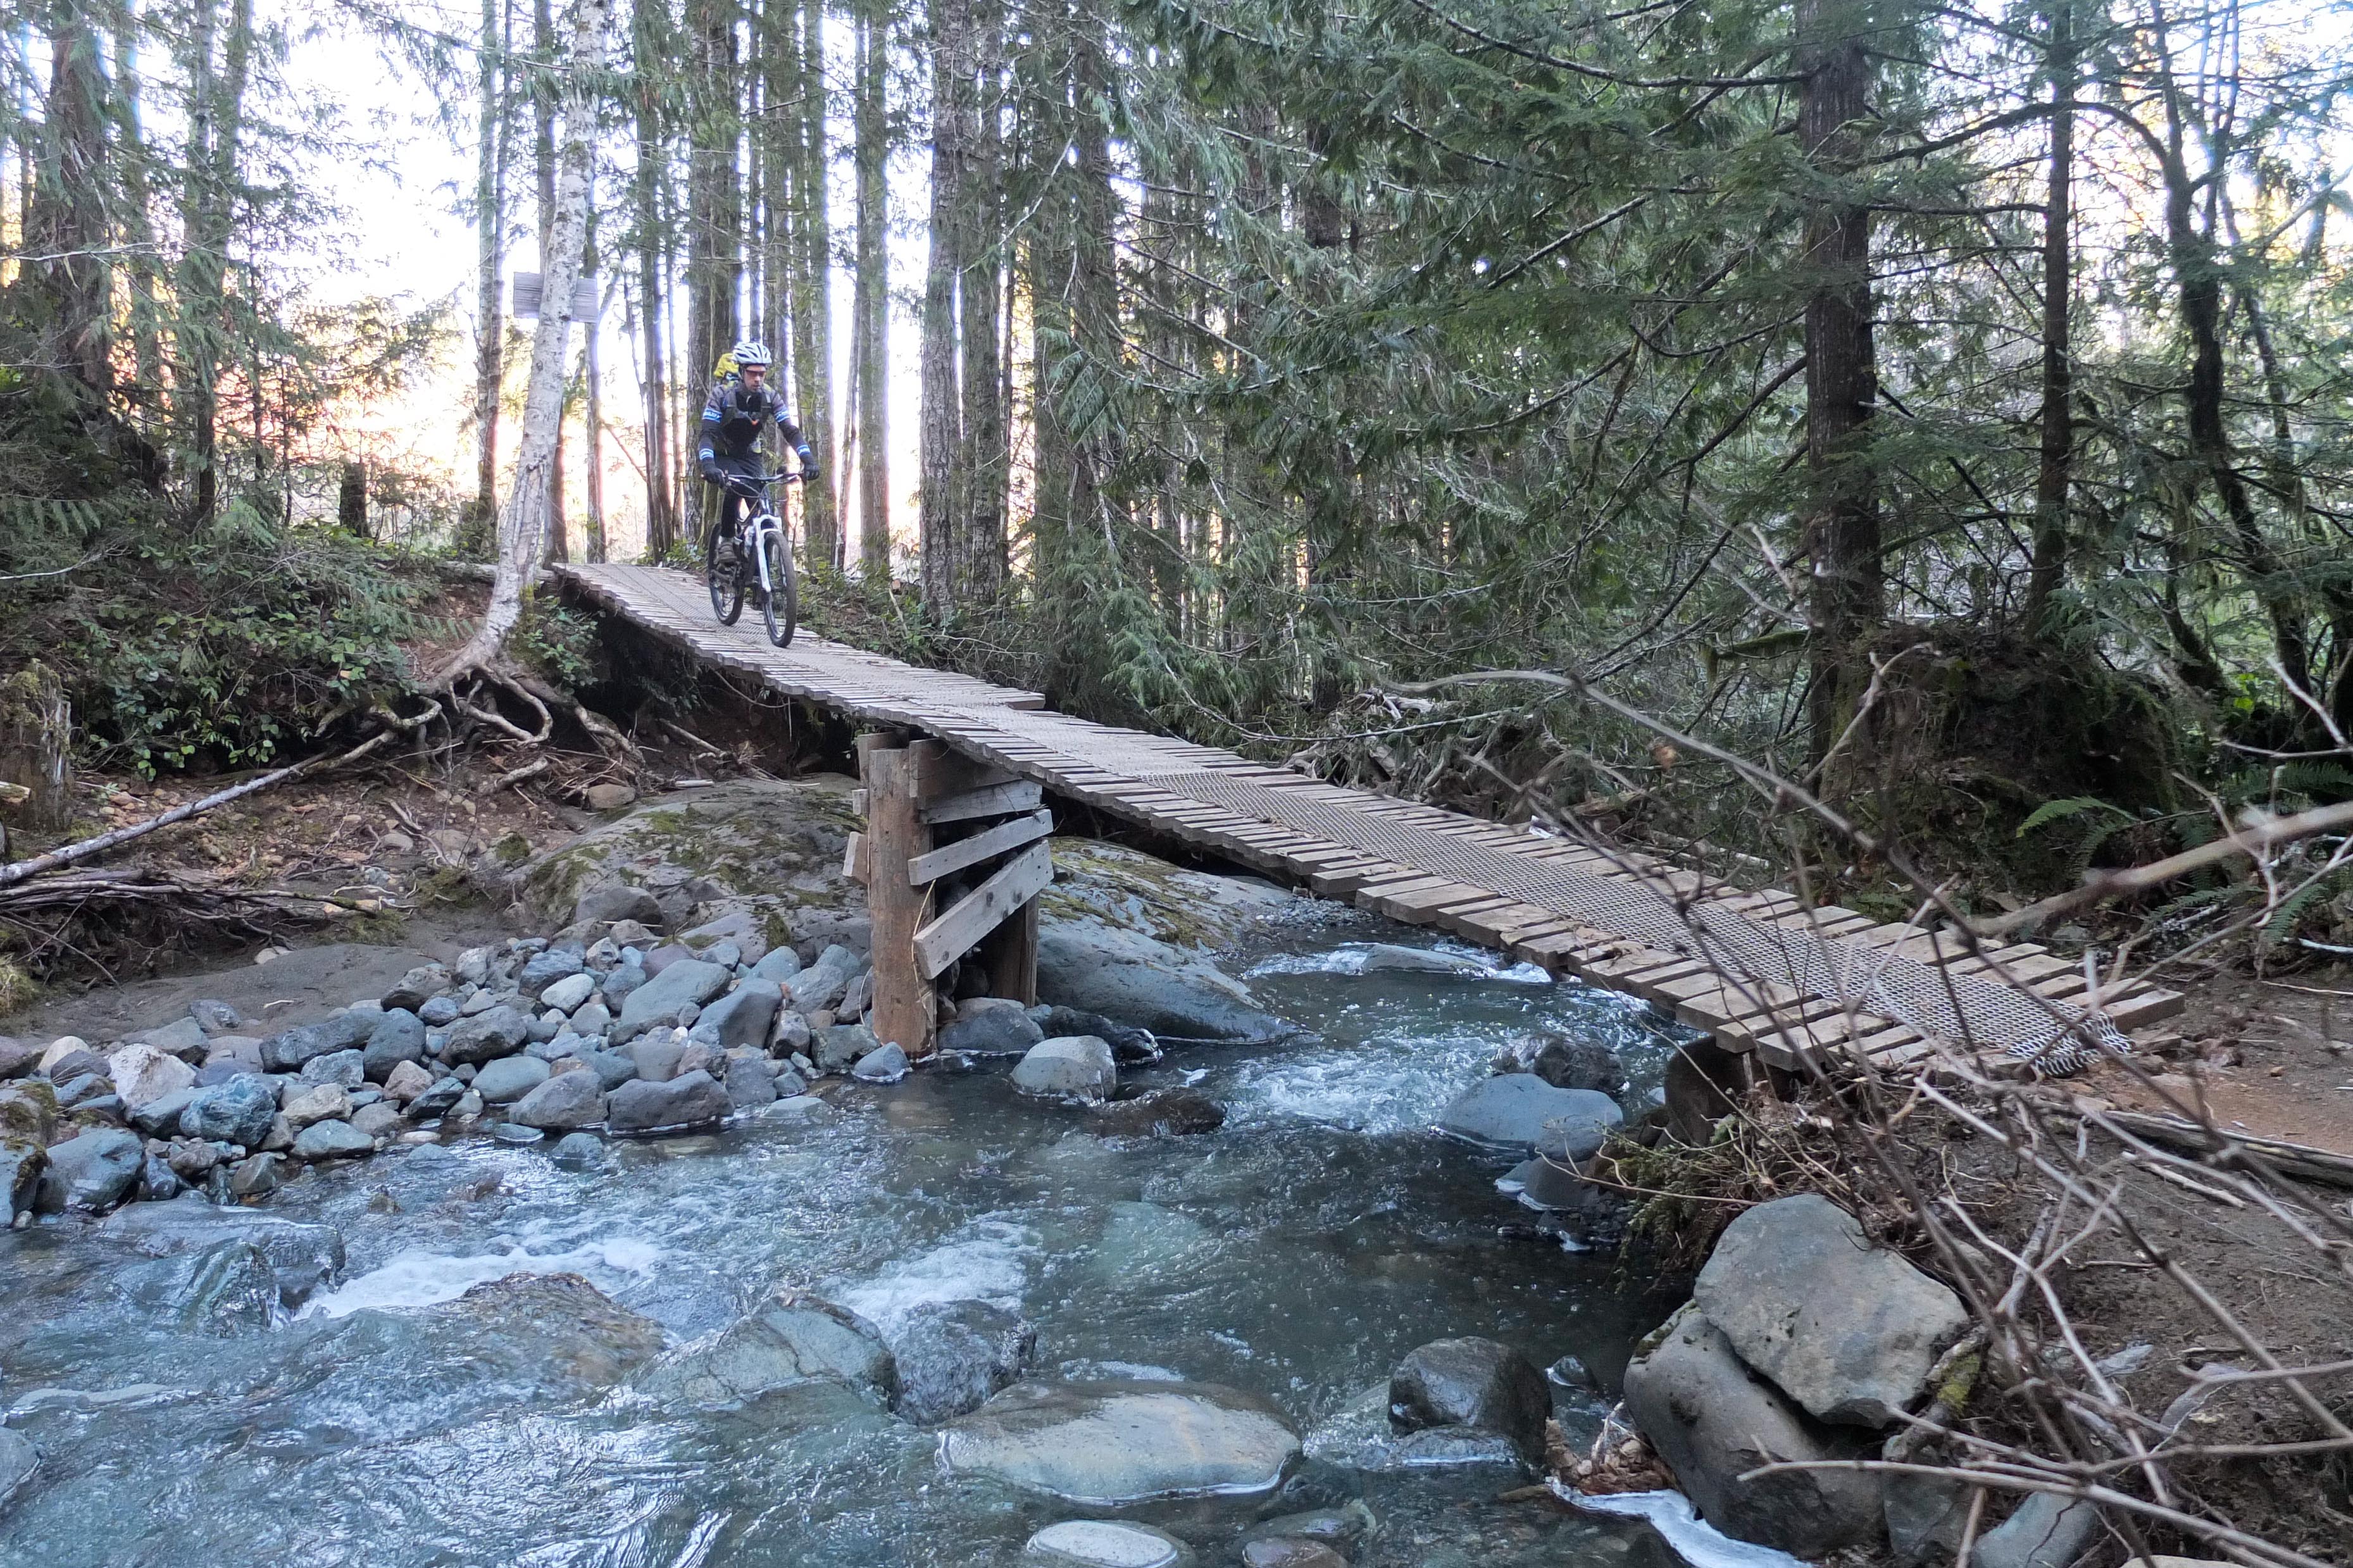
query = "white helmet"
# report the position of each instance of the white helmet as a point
(751, 351)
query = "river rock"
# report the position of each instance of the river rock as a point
(438, 1012)
(1116, 1443)
(1104, 1544)
(1290, 1551)
(1579, 1064)
(414, 988)
(320, 1102)
(18, 1461)
(617, 902)
(158, 1182)
(1129, 1045)
(750, 1081)
(398, 1037)
(1390, 958)
(442, 1098)
(331, 1140)
(95, 1170)
(687, 983)
(28, 1109)
(1157, 1113)
(840, 1045)
(1520, 1112)
(658, 1055)
(1847, 1329)
(953, 1355)
(78, 1063)
(1147, 985)
(1076, 1068)
(22, 1162)
(695, 1100)
(613, 1068)
(488, 1035)
(378, 1120)
(592, 1020)
(542, 970)
(507, 1079)
(990, 1026)
(1475, 1383)
(741, 1017)
(794, 1338)
(17, 1058)
(884, 1064)
(778, 963)
(161, 1117)
(58, 1051)
(566, 1100)
(239, 1111)
(183, 1037)
(407, 1081)
(569, 993)
(347, 1068)
(578, 1151)
(2046, 1531)
(145, 1073)
(620, 983)
(1712, 1420)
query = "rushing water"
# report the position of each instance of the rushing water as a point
(1298, 1253)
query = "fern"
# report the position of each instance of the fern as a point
(2285, 919)
(2052, 811)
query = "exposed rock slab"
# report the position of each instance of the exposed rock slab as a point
(1116, 1443)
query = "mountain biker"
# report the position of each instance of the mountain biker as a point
(738, 411)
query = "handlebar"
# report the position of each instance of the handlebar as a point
(755, 489)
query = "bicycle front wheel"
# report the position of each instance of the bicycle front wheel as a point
(722, 573)
(781, 605)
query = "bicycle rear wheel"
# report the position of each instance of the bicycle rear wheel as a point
(723, 573)
(780, 607)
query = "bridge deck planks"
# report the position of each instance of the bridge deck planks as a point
(1149, 780)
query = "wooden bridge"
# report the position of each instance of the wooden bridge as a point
(1759, 971)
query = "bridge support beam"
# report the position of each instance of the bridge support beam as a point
(953, 857)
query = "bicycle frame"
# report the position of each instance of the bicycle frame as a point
(762, 523)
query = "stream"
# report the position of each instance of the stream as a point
(1297, 1253)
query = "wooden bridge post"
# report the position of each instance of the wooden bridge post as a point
(911, 790)
(904, 1011)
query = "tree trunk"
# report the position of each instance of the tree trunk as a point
(522, 528)
(871, 307)
(138, 220)
(662, 519)
(543, 145)
(2049, 566)
(982, 455)
(36, 748)
(592, 375)
(1848, 597)
(66, 220)
(714, 192)
(942, 428)
(217, 98)
(812, 311)
(480, 526)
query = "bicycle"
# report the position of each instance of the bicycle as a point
(772, 561)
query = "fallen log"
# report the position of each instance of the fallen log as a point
(67, 855)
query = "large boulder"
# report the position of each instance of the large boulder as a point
(953, 1355)
(690, 981)
(1475, 1383)
(95, 1170)
(1116, 1443)
(17, 1058)
(1520, 1113)
(566, 1101)
(1848, 1330)
(22, 1162)
(28, 1109)
(143, 1073)
(500, 1031)
(692, 1099)
(398, 1037)
(794, 1338)
(1712, 1420)
(507, 1079)
(415, 988)
(237, 1112)
(990, 1026)
(741, 1016)
(289, 1050)
(822, 983)
(544, 968)
(1148, 985)
(1077, 1068)
(616, 901)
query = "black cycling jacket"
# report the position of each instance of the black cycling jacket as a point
(732, 419)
